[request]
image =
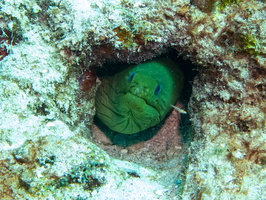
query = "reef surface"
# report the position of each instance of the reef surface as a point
(49, 50)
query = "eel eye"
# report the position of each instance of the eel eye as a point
(131, 76)
(158, 89)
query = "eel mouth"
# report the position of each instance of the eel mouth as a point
(138, 104)
(128, 114)
(133, 99)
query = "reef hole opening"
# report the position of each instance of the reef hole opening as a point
(143, 144)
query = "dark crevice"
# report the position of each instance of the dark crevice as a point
(124, 140)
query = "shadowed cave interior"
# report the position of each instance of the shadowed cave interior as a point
(125, 140)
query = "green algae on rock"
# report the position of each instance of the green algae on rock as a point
(140, 96)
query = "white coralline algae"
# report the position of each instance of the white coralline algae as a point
(50, 54)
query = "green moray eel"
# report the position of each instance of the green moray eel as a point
(138, 97)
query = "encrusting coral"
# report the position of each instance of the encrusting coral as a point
(48, 85)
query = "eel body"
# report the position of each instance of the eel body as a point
(138, 97)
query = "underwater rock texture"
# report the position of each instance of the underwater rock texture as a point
(46, 46)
